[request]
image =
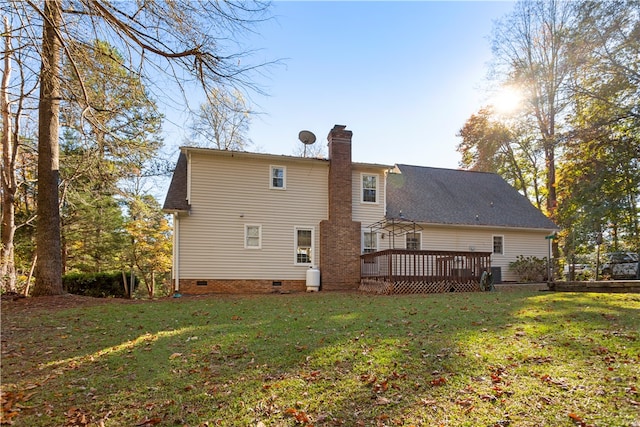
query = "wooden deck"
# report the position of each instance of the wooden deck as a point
(401, 271)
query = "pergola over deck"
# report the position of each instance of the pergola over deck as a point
(404, 271)
(394, 227)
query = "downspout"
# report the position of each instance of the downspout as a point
(176, 255)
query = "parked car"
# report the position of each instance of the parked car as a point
(620, 265)
(580, 271)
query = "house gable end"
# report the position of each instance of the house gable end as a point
(176, 199)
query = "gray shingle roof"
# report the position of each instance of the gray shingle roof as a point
(448, 196)
(176, 199)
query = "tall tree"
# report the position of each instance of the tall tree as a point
(530, 50)
(578, 65)
(8, 176)
(222, 122)
(188, 38)
(600, 186)
(100, 148)
(49, 266)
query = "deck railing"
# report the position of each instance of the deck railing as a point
(412, 271)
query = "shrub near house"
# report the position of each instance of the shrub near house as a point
(529, 269)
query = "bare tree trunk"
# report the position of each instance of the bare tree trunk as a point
(49, 267)
(9, 187)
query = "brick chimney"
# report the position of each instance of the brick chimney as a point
(340, 235)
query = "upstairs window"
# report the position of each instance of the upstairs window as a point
(252, 236)
(304, 245)
(369, 188)
(278, 177)
(498, 245)
(413, 241)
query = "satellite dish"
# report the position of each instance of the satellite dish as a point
(307, 138)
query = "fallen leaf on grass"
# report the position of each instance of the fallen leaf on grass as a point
(381, 400)
(12, 405)
(76, 417)
(557, 382)
(381, 386)
(465, 402)
(577, 420)
(300, 416)
(438, 381)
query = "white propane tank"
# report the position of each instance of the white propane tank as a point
(313, 279)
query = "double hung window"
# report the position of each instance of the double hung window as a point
(278, 178)
(413, 241)
(252, 236)
(304, 245)
(498, 245)
(369, 188)
(369, 242)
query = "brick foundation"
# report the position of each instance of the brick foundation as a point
(239, 286)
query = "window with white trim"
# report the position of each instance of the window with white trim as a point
(498, 245)
(369, 188)
(413, 241)
(252, 236)
(278, 178)
(304, 245)
(369, 242)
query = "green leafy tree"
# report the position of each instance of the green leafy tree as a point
(94, 238)
(600, 186)
(101, 147)
(121, 131)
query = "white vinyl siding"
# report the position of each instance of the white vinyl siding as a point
(224, 198)
(367, 213)
(520, 242)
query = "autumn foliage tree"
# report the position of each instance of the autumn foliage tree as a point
(150, 240)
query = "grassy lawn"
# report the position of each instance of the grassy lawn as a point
(327, 359)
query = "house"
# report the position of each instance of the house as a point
(461, 210)
(254, 223)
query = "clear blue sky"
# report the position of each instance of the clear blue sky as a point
(403, 76)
